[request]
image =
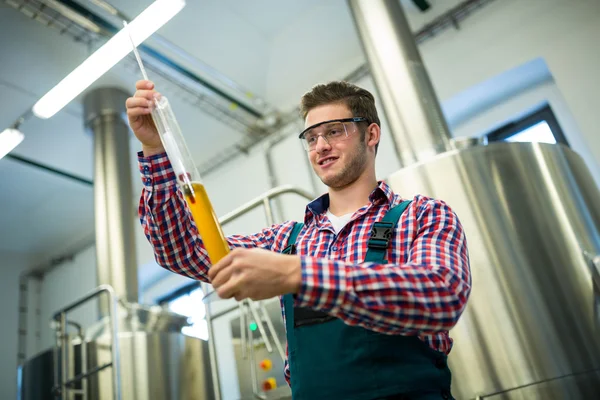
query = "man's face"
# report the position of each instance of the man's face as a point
(337, 164)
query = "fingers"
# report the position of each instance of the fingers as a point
(143, 99)
(223, 275)
(149, 95)
(141, 104)
(144, 85)
(214, 270)
(231, 288)
(137, 106)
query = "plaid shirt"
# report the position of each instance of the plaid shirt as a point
(421, 291)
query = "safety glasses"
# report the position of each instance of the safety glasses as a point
(332, 131)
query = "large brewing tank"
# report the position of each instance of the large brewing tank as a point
(531, 213)
(157, 361)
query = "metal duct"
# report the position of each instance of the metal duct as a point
(104, 111)
(419, 130)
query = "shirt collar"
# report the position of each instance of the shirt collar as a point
(380, 195)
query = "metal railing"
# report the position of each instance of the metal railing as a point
(62, 385)
(264, 200)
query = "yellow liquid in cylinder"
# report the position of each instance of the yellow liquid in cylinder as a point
(207, 222)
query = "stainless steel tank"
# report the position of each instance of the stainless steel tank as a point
(157, 362)
(531, 213)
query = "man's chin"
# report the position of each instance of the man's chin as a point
(334, 182)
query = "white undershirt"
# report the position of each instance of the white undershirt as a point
(338, 222)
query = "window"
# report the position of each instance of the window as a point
(188, 301)
(539, 126)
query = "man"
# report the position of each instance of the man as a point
(367, 304)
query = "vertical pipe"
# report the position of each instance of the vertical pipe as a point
(212, 347)
(57, 388)
(23, 314)
(243, 323)
(64, 343)
(261, 327)
(418, 127)
(272, 330)
(253, 374)
(116, 356)
(104, 110)
(268, 211)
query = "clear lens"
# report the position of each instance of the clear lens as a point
(332, 133)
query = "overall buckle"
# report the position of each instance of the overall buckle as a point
(381, 233)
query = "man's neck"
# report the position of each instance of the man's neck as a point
(352, 197)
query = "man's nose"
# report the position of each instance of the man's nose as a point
(322, 144)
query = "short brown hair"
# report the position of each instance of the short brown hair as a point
(360, 101)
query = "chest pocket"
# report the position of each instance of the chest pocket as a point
(379, 239)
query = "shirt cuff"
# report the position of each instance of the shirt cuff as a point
(156, 171)
(324, 284)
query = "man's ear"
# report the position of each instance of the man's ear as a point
(373, 135)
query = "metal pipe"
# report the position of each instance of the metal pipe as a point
(253, 372)
(61, 317)
(212, 348)
(252, 204)
(271, 327)
(268, 211)
(116, 361)
(83, 375)
(57, 390)
(63, 353)
(244, 344)
(86, 298)
(417, 124)
(261, 327)
(104, 112)
(47, 168)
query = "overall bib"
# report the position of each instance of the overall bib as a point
(330, 360)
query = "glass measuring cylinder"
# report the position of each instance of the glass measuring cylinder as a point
(189, 181)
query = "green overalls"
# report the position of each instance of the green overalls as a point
(330, 360)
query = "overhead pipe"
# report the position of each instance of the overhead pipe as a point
(419, 129)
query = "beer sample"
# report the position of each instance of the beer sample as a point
(206, 221)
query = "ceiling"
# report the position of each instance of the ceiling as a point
(255, 44)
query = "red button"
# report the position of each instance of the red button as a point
(269, 384)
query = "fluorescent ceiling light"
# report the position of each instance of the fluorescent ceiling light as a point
(9, 139)
(103, 59)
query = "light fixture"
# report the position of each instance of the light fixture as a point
(103, 59)
(9, 139)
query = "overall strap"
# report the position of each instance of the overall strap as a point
(382, 233)
(291, 244)
(288, 299)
